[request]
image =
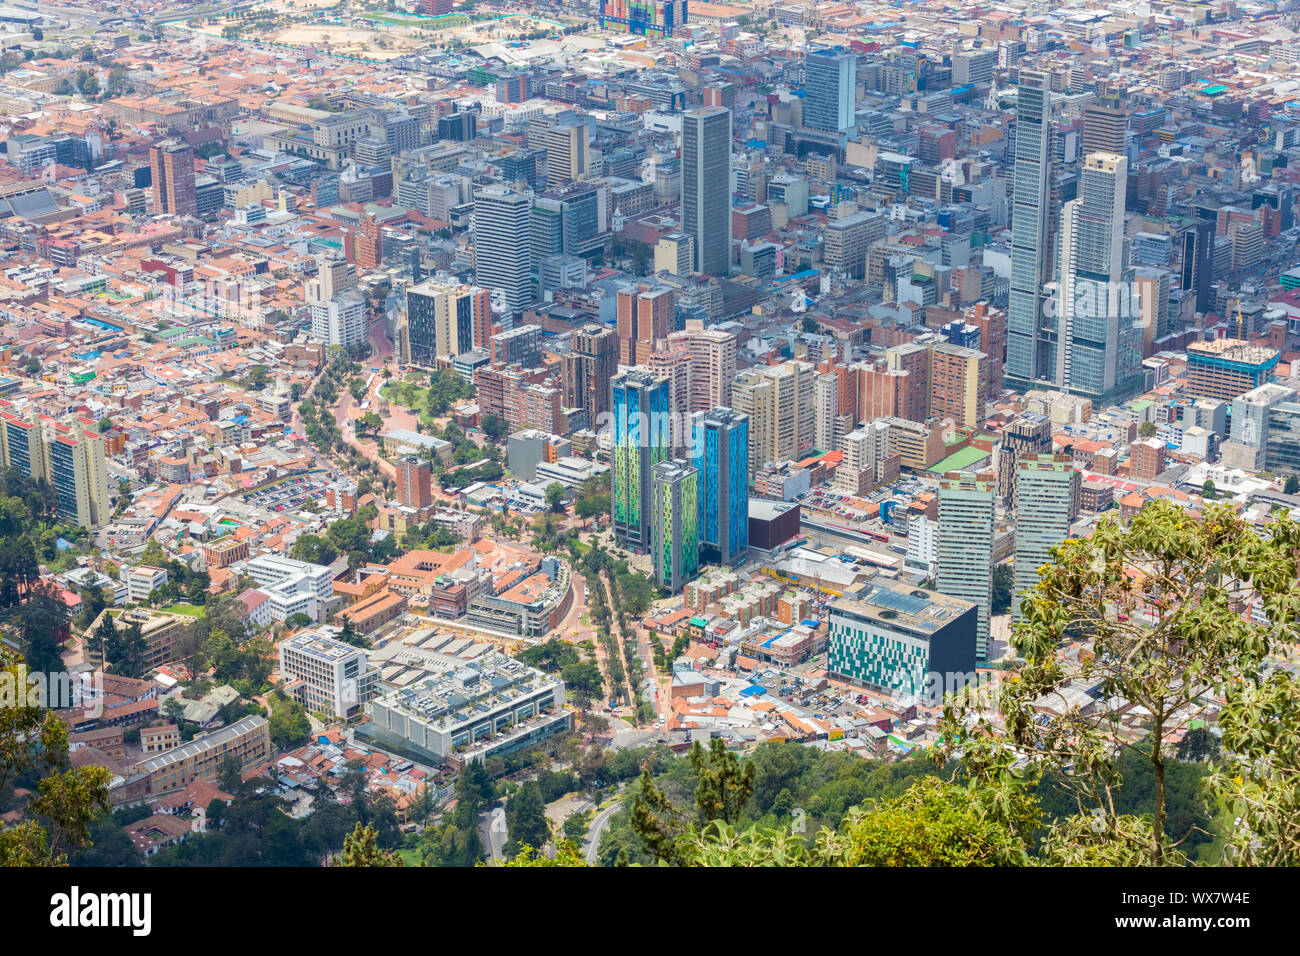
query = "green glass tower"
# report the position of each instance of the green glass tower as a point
(641, 406)
(676, 529)
(965, 561)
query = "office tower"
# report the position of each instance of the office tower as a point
(721, 446)
(340, 320)
(414, 476)
(675, 491)
(656, 18)
(566, 153)
(1100, 343)
(706, 187)
(645, 317)
(711, 356)
(1105, 123)
(1196, 270)
(460, 127)
(79, 476)
(781, 403)
(502, 229)
(172, 166)
(830, 76)
(1030, 434)
(520, 346)
(1031, 351)
(992, 325)
(642, 437)
(445, 320)
(1047, 501)
(588, 370)
(965, 562)
(512, 88)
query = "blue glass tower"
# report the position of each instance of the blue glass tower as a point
(720, 446)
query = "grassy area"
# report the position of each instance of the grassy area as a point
(412, 396)
(411, 857)
(188, 610)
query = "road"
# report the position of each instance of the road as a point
(598, 826)
(492, 832)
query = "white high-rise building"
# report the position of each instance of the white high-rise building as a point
(502, 247)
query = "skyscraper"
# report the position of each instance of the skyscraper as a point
(1031, 352)
(706, 186)
(830, 76)
(566, 153)
(721, 446)
(711, 355)
(1047, 495)
(171, 164)
(675, 528)
(502, 229)
(642, 439)
(966, 528)
(1099, 341)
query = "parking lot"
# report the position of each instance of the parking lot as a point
(290, 494)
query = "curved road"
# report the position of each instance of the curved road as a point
(598, 826)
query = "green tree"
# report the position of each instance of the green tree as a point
(555, 497)
(1292, 485)
(361, 848)
(1158, 604)
(34, 745)
(526, 819)
(1208, 491)
(1147, 430)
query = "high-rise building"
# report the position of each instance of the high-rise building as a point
(641, 440)
(1196, 271)
(721, 446)
(566, 153)
(645, 317)
(965, 555)
(781, 402)
(588, 370)
(502, 232)
(706, 186)
(1226, 368)
(445, 320)
(675, 534)
(79, 476)
(1030, 434)
(1047, 495)
(340, 320)
(711, 356)
(1031, 345)
(171, 164)
(1099, 337)
(414, 476)
(332, 277)
(830, 76)
(1105, 123)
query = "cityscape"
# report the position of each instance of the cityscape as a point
(628, 433)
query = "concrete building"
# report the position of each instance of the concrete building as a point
(1048, 493)
(706, 187)
(326, 675)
